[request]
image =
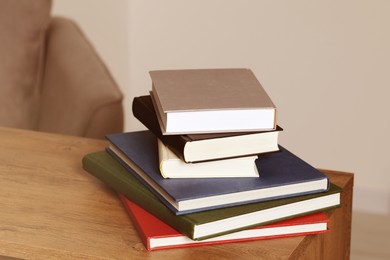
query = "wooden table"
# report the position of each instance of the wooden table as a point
(52, 209)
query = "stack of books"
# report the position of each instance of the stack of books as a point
(209, 168)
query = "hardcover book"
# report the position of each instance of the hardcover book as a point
(282, 175)
(205, 147)
(172, 166)
(156, 235)
(210, 223)
(211, 100)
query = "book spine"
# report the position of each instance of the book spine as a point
(120, 180)
(143, 110)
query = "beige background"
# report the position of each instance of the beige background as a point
(324, 63)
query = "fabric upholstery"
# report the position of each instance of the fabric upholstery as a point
(77, 88)
(51, 78)
(22, 27)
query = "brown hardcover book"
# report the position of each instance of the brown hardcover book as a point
(205, 147)
(211, 101)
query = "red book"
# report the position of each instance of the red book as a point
(155, 234)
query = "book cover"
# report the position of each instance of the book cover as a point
(211, 100)
(282, 175)
(156, 235)
(172, 166)
(211, 223)
(205, 147)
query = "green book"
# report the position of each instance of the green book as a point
(211, 223)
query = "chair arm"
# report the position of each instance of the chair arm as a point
(78, 95)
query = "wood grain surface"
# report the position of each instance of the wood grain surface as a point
(52, 209)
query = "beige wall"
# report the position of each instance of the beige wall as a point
(325, 64)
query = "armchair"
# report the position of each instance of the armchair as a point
(51, 78)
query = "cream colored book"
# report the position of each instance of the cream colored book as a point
(211, 101)
(172, 166)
